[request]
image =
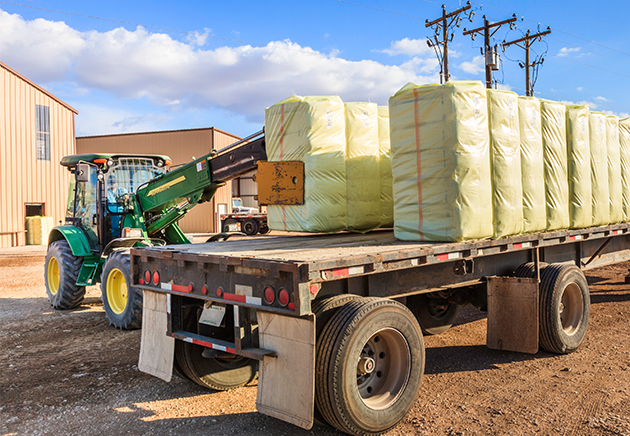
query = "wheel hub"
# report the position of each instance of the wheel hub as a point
(117, 292)
(571, 309)
(53, 276)
(366, 366)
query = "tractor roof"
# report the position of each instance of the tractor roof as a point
(70, 161)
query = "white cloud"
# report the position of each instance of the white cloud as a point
(580, 88)
(409, 47)
(601, 99)
(474, 67)
(504, 86)
(181, 75)
(564, 51)
(198, 39)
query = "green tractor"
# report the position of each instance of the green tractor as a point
(119, 201)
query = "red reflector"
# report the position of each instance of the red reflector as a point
(291, 306)
(147, 277)
(204, 289)
(219, 291)
(270, 295)
(283, 297)
(314, 289)
(190, 287)
(141, 281)
(156, 278)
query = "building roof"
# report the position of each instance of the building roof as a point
(35, 85)
(161, 131)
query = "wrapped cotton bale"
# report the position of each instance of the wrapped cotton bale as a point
(310, 130)
(440, 162)
(599, 169)
(579, 153)
(624, 148)
(362, 166)
(385, 165)
(505, 159)
(614, 169)
(532, 165)
(554, 133)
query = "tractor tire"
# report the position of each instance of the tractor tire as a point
(564, 308)
(121, 301)
(226, 224)
(218, 373)
(369, 366)
(249, 227)
(434, 315)
(61, 271)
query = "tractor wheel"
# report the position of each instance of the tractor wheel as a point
(435, 315)
(369, 366)
(60, 274)
(249, 227)
(219, 373)
(122, 302)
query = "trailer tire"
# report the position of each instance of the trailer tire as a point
(564, 308)
(216, 373)
(121, 301)
(61, 271)
(227, 223)
(249, 227)
(325, 307)
(527, 270)
(434, 318)
(263, 230)
(369, 366)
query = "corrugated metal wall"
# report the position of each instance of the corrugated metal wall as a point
(181, 146)
(23, 178)
(245, 188)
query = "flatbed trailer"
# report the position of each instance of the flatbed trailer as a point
(334, 323)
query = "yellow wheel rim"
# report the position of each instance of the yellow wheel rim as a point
(53, 276)
(117, 291)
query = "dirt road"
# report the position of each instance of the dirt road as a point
(69, 373)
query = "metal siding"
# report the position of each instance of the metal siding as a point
(247, 189)
(24, 179)
(181, 146)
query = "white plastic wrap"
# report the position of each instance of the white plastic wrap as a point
(579, 153)
(532, 165)
(385, 165)
(554, 133)
(362, 166)
(440, 162)
(311, 130)
(624, 143)
(599, 169)
(505, 155)
(614, 169)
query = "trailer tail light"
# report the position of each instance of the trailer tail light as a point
(270, 295)
(156, 278)
(147, 277)
(283, 297)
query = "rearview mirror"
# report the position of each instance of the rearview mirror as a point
(82, 173)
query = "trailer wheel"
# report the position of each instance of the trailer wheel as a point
(227, 223)
(250, 227)
(122, 302)
(565, 308)
(325, 307)
(263, 230)
(369, 366)
(218, 373)
(60, 274)
(435, 315)
(527, 270)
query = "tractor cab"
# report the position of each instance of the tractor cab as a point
(101, 197)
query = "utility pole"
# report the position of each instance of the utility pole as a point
(442, 25)
(527, 42)
(490, 53)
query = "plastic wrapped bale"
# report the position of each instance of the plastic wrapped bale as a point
(505, 160)
(441, 162)
(579, 153)
(599, 169)
(624, 148)
(385, 165)
(614, 169)
(362, 167)
(310, 130)
(554, 133)
(532, 165)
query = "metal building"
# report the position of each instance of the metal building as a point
(181, 146)
(36, 131)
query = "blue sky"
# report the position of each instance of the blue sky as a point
(209, 63)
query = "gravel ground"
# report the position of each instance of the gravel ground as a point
(68, 373)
